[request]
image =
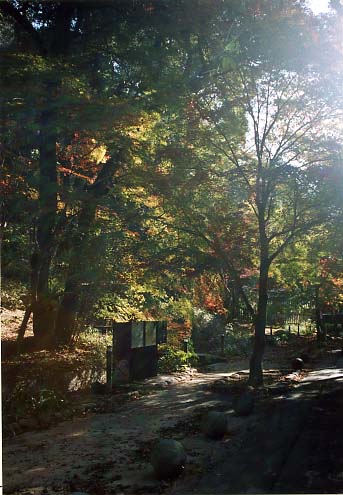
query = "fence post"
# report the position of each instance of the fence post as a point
(298, 329)
(109, 359)
(289, 329)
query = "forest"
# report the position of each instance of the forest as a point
(171, 160)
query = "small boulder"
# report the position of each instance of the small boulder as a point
(244, 405)
(222, 386)
(297, 364)
(305, 357)
(215, 424)
(235, 425)
(168, 459)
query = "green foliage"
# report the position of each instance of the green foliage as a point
(280, 337)
(207, 329)
(237, 342)
(96, 344)
(12, 294)
(171, 360)
(27, 399)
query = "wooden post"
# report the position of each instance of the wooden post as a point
(271, 330)
(114, 344)
(298, 329)
(185, 345)
(289, 329)
(109, 365)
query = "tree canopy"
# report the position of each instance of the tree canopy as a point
(152, 147)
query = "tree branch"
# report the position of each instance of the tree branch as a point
(10, 11)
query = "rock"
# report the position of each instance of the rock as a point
(235, 425)
(305, 357)
(222, 385)
(297, 364)
(168, 458)
(244, 405)
(214, 424)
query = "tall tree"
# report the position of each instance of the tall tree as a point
(86, 69)
(272, 122)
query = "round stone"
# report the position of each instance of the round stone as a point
(298, 364)
(215, 424)
(168, 459)
(305, 357)
(244, 405)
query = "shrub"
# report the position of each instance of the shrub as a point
(27, 399)
(171, 360)
(281, 337)
(12, 294)
(237, 343)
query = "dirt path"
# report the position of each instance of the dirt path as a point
(294, 445)
(109, 453)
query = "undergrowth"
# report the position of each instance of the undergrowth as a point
(171, 360)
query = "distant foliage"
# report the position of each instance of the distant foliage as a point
(237, 342)
(207, 329)
(207, 333)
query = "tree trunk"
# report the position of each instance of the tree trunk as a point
(69, 305)
(256, 370)
(43, 305)
(68, 308)
(67, 311)
(22, 328)
(256, 360)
